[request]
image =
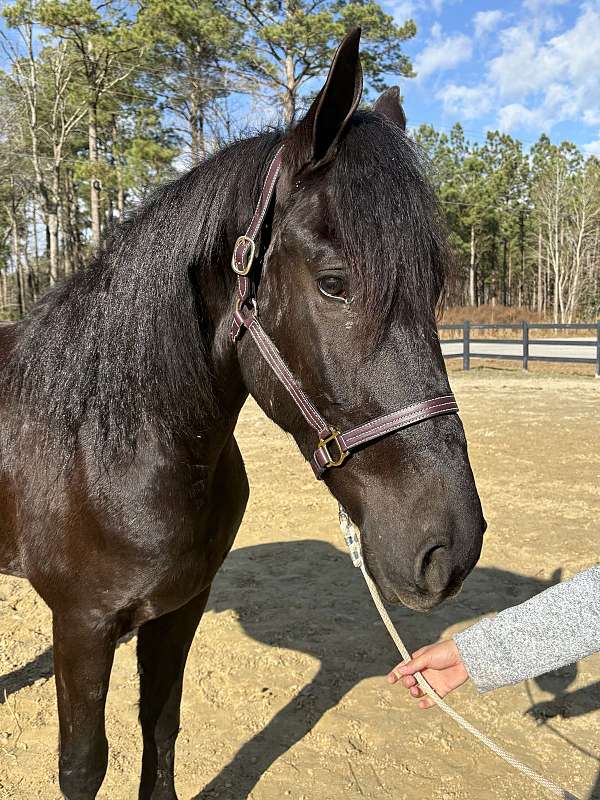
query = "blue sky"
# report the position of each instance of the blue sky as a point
(523, 67)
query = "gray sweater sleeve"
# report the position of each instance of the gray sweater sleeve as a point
(556, 627)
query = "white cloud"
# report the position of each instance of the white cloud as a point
(543, 13)
(549, 80)
(542, 68)
(401, 10)
(516, 115)
(540, 5)
(442, 52)
(526, 64)
(486, 21)
(591, 116)
(592, 148)
(511, 71)
(468, 102)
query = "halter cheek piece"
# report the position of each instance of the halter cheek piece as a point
(333, 447)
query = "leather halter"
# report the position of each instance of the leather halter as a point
(334, 446)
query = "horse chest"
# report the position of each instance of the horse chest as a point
(138, 544)
(10, 561)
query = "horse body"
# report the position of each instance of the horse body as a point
(111, 548)
(121, 484)
(10, 558)
(129, 543)
(111, 551)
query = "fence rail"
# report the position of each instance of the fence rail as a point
(524, 344)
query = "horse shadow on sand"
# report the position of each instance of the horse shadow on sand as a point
(305, 596)
(323, 609)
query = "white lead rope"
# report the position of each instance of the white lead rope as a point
(352, 539)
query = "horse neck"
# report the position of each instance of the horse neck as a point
(143, 333)
(228, 386)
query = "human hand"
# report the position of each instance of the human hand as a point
(441, 666)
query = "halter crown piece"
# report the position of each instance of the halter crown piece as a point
(333, 446)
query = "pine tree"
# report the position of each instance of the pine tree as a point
(284, 45)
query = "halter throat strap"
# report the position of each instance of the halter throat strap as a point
(333, 446)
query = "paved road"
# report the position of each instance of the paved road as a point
(558, 350)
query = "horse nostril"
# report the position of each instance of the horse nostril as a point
(429, 566)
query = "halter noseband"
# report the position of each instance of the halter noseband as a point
(333, 447)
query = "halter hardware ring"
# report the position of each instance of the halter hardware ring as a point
(333, 437)
(240, 303)
(247, 255)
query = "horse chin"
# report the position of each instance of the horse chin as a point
(416, 601)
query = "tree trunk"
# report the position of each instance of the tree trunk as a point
(493, 288)
(53, 242)
(14, 227)
(52, 210)
(36, 244)
(197, 129)
(540, 285)
(289, 94)
(522, 291)
(510, 277)
(472, 289)
(120, 193)
(573, 297)
(118, 164)
(561, 275)
(95, 185)
(546, 298)
(556, 292)
(504, 272)
(3, 291)
(557, 249)
(110, 210)
(67, 250)
(72, 222)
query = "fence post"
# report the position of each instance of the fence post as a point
(525, 345)
(466, 344)
(598, 349)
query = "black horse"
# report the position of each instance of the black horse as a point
(121, 484)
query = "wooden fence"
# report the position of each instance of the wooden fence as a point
(520, 349)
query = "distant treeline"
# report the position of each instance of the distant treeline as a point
(99, 102)
(524, 225)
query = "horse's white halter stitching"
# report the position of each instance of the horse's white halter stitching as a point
(352, 538)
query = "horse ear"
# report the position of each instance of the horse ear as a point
(332, 108)
(390, 106)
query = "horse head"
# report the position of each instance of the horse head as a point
(347, 290)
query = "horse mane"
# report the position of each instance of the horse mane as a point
(125, 343)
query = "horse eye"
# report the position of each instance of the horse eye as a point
(332, 286)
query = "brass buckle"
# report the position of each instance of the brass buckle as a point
(343, 453)
(249, 257)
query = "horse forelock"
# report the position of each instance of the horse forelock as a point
(387, 220)
(379, 205)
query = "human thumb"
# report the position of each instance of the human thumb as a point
(419, 662)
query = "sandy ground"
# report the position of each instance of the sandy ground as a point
(284, 695)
